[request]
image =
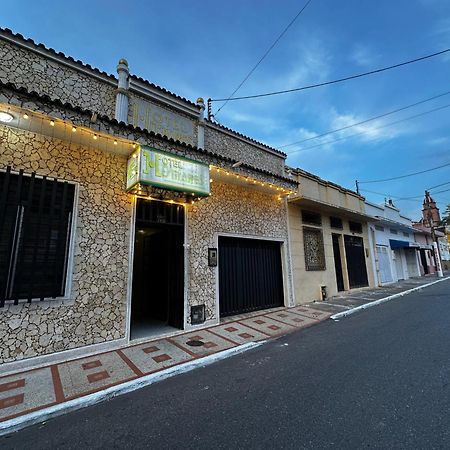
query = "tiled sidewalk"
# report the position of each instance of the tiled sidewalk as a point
(32, 390)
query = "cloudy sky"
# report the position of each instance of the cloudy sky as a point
(199, 48)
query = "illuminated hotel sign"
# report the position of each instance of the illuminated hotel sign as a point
(158, 168)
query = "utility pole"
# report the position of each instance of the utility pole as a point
(437, 251)
(357, 186)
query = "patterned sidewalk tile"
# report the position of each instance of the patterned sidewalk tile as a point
(82, 376)
(238, 333)
(26, 391)
(156, 355)
(310, 312)
(267, 325)
(211, 343)
(292, 319)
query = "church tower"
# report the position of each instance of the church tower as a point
(430, 211)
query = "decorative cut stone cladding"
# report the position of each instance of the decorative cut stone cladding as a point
(233, 147)
(165, 120)
(95, 311)
(229, 209)
(38, 73)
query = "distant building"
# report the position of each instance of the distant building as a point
(431, 223)
(395, 252)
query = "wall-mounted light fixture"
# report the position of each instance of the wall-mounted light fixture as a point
(6, 117)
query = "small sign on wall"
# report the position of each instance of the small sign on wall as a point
(212, 257)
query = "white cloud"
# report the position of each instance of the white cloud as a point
(363, 56)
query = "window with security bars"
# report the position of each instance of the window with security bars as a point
(355, 227)
(311, 218)
(336, 222)
(314, 249)
(35, 228)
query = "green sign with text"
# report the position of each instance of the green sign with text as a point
(161, 169)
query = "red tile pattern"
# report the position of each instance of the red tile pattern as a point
(98, 376)
(151, 349)
(11, 401)
(12, 385)
(39, 388)
(161, 358)
(91, 364)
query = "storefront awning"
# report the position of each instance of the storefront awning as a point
(401, 244)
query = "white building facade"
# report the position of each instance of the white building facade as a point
(394, 250)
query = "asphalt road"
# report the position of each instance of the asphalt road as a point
(377, 379)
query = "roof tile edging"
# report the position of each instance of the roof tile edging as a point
(88, 66)
(130, 127)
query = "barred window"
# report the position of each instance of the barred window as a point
(336, 222)
(314, 249)
(393, 231)
(379, 228)
(311, 218)
(356, 227)
(35, 228)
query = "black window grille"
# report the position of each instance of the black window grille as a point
(314, 249)
(35, 224)
(355, 227)
(393, 231)
(336, 222)
(311, 218)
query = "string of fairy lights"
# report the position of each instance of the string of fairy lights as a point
(99, 136)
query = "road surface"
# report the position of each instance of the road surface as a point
(377, 379)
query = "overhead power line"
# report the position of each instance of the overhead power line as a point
(339, 80)
(405, 176)
(415, 116)
(438, 185)
(366, 120)
(263, 56)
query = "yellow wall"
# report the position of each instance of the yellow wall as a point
(307, 283)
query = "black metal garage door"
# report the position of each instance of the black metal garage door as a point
(250, 275)
(356, 261)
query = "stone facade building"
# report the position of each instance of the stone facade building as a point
(89, 260)
(329, 239)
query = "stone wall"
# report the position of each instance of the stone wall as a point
(233, 147)
(35, 72)
(95, 311)
(229, 209)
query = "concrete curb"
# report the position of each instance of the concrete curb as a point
(383, 300)
(42, 415)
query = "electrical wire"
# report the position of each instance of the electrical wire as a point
(405, 176)
(438, 185)
(339, 80)
(366, 120)
(263, 57)
(372, 129)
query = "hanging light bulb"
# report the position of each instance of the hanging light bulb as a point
(52, 123)
(115, 141)
(26, 116)
(95, 137)
(74, 129)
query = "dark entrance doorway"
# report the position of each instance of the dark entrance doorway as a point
(250, 275)
(356, 261)
(423, 259)
(338, 262)
(158, 268)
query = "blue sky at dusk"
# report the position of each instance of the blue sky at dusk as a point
(205, 49)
